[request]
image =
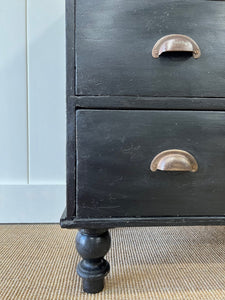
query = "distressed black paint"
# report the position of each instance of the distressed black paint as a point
(115, 40)
(114, 152)
(124, 107)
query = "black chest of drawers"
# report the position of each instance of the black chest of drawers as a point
(145, 120)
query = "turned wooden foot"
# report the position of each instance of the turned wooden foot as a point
(92, 245)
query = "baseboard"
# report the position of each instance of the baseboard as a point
(31, 203)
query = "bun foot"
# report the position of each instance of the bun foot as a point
(92, 245)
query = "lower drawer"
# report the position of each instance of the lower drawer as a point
(114, 150)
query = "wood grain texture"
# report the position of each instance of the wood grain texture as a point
(114, 72)
(114, 152)
(71, 159)
(164, 103)
(123, 103)
(70, 47)
(74, 222)
(115, 38)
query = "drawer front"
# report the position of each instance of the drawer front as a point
(116, 147)
(114, 41)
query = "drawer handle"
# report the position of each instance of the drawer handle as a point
(176, 42)
(174, 160)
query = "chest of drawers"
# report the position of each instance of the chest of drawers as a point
(145, 120)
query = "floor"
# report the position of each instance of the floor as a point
(39, 262)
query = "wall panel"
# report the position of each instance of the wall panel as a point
(13, 97)
(31, 203)
(46, 91)
(32, 110)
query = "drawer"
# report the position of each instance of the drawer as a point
(114, 41)
(116, 147)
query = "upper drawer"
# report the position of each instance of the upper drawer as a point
(114, 41)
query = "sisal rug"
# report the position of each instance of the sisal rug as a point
(39, 262)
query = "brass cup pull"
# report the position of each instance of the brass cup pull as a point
(176, 42)
(174, 160)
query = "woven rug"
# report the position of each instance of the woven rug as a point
(39, 262)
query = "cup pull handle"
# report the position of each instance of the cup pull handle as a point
(176, 42)
(174, 160)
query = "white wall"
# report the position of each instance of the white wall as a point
(32, 110)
